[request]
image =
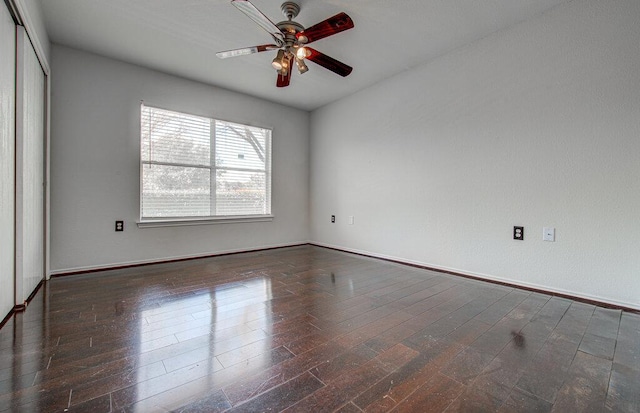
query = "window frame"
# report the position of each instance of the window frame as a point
(151, 222)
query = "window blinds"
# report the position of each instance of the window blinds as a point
(193, 166)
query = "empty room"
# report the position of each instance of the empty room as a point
(319, 206)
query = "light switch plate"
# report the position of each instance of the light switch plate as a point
(549, 234)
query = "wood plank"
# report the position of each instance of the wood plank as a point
(311, 329)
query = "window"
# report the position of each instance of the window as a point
(196, 167)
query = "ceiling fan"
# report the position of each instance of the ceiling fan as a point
(291, 39)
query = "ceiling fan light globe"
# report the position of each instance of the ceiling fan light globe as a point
(302, 52)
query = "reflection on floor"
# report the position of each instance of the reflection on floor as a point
(306, 329)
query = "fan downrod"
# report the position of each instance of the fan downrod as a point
(290, 9)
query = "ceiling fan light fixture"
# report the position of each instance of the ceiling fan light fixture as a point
(286, 62)
(290, 39)
(279, 61)
(302, 52)
(302, 67)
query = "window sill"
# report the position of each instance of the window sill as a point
(180, 222)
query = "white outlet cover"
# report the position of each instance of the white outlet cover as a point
(549, 234)
(350, 219)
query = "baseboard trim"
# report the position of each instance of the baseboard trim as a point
(488, 278)
(452, 271)
(120, 266)
(34, 292)
(18, 308)
(7, 317)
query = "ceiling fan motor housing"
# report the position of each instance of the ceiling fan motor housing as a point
(290, 9)
(289, 27)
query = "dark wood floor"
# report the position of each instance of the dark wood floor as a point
(306, 329)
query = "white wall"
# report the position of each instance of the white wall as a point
(537, 125)
(95, 157)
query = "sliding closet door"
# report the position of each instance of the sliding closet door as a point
(30, 170)
(7, 158)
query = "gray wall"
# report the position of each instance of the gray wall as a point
(538, 125)
(95, 155)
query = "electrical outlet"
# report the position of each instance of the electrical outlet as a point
(333, 219)
(518, 233)
(119, 226)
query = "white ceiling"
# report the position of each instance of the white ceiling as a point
(181, 37)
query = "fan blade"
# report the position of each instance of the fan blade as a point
(257, 16)
(246, 51)
(284, 80)
(336, 24)
(328, 62)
